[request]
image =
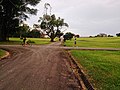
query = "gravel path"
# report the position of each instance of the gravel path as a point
(36, 68)
(45, 67)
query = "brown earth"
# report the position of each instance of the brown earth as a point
(37, 68)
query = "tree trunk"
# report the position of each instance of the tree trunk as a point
(3, 33)
(52, 40)
(52, 37)
(2, 36)
(3, 30)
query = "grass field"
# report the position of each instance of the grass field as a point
(98, 42)
(18, 41)
(102, 68)
(2, 53)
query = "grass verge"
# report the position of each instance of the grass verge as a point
(2, 53)
(101, 67)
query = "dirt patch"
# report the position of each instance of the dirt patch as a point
(37, 68)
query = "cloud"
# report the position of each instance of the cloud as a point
(86, 17)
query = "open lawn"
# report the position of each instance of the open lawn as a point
(18, 41)
(101, 67)
(2, 53)
(97, 42)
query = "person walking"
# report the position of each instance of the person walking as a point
(24, 41)
(75, 42)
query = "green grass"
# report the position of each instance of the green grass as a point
(98, 42)
(2, 53)
(40, 41)
(102, 68)
(18, 41)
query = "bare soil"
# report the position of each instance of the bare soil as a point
(37, 68)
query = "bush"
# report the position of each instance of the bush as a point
(29, 41)
(110, 36)
(118, 34)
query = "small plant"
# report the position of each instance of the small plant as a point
(29, 41)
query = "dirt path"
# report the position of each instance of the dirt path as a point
(36, 68)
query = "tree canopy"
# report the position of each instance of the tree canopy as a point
(12, 12)
(52, 25)
(68, 36)
(118, 34)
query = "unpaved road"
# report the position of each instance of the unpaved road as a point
(36, 68)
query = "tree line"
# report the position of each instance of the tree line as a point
(14, 12)
(105, 35)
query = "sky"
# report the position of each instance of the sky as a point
(85, 17)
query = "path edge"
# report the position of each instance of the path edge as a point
(7, 54)
(86, 82)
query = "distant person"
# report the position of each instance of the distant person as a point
(75, 42)
(62, 40)
(24, 40)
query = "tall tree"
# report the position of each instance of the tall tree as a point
(52, 25)
(14, 11)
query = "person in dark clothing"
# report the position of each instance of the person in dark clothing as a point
(75, 42)
(24, 40)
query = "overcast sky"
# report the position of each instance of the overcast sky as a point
(85, 17)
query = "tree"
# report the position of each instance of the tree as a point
(34, 34)
(23, 30)
(102, 35)
(118, 34)
(110, 35)
(77, 36)
(52, 25)
(37, 27)
(14, 10)
(68, 36)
